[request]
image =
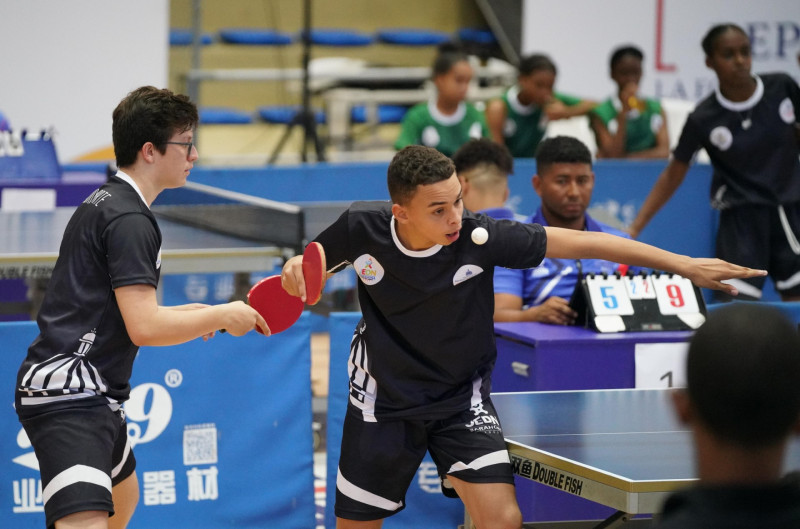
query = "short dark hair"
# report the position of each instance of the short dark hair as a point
(561, 149)
(483, 151)
(743, 369)
(710, 39)
(416, 165)
(618, 54)
(535, 63)
(149, 114)
(448, 55)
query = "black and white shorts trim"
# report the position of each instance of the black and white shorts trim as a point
(82, 453)
(379, 460)
(764, 237)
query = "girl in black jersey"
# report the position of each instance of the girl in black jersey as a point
(100, 306)
(422, 356)
(749, 128)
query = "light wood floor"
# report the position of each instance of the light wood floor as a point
(320, 362)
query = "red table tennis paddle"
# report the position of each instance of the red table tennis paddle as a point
(314, 271)
(278, 308)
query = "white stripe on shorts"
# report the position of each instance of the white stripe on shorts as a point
(364, 496)
(789, 283)
(501, 456)
(76, 474)
(125, 453)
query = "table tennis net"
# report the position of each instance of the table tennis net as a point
(234, 214)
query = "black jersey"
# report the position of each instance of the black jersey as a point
(425, 347)
(83, 354)
(751, 144)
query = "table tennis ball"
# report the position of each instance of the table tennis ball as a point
(480, 235)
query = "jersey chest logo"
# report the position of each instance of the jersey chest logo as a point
(430, 136)
(369, 270)
(721, 138)
(786, 111)
(466, 272)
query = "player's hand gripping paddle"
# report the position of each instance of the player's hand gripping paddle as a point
(314, 272)
(278, 308)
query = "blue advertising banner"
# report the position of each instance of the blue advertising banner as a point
(221, 431)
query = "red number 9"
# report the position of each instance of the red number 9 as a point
(675, 295)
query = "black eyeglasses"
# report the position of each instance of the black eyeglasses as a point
(188, 144)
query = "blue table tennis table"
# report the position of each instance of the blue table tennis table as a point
(624, 448)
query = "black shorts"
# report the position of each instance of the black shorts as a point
(762, 237)
(379, 459)
(82, 453)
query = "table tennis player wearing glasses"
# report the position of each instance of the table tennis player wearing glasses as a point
(422, 355)
(99, 308)
(742, 403)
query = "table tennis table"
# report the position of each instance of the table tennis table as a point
(624, 448)
(226, 232)
(30, 242)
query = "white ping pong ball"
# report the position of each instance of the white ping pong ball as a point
(480, 235)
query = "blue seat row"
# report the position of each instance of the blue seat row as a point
(283, 114)
(335, 37)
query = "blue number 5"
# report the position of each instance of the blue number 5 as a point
(609, 300)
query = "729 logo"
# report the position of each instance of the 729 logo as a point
(148, 412)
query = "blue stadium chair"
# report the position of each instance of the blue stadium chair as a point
(255, 37)
(224, 116)
(476, 36)
(284, 113)
(386, 113)
(184, 37)
(412, 37)
(340, 37)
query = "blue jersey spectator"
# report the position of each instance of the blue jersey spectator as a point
(564, 182)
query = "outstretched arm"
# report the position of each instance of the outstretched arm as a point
(148, 323)
(666, 185)
(706, 273)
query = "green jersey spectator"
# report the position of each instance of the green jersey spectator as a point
(519, 119)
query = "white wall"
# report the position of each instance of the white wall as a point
(580, 34)
(67, 63)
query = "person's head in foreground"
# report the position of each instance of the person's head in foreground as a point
(742, 399)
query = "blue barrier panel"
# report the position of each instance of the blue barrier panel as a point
(426, 506)
(33, 157)
(222, 432)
